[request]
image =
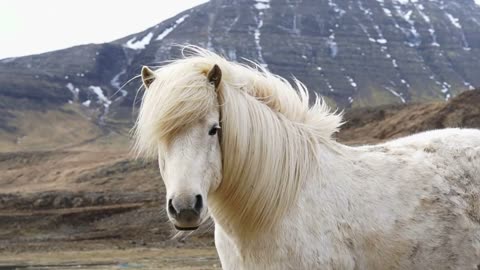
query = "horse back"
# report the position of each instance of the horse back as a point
(434, 180)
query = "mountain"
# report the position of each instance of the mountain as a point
(356, 53)
(68, 181)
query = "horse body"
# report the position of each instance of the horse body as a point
(412, 203)
(285, 195)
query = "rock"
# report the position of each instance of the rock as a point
(41, 203)
(78, 202)
(62, 201)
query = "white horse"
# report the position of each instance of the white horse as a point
(283, 194)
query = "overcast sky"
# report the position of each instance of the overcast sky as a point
(36, 26)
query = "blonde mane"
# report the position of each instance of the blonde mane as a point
(269, 139)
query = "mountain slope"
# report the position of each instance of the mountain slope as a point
(374, 125)
(356, 53)
(364, 52)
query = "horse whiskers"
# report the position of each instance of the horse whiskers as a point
(121, 87)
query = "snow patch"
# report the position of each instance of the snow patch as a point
(445, 87)
(431, 29)
(332, 46)
(404, 82)
(394, 63)
(454, 21)
(413, 37)
(232, 54)
(395, 93)
(102, 99)
(262, 4)
(424, 16)
(73, 90)
(330, 87)
(475, 20)
(86, 103)
(446, 90)
(352, 82)
(340, 12)
(407, 16)
(135, 44)
(115, 82)
(70, 87)
(100, 96)
(257, 34)
(365, 31)
(434, 37)
(171, 28)
(382, 41)
(469, 85)
(368, 13)
(388, 12)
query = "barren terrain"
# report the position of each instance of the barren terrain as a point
(72, 197)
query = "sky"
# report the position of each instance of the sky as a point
(37, 26)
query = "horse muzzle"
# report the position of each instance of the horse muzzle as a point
(185, 213)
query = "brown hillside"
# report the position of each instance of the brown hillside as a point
(372, 125)
(90, 193)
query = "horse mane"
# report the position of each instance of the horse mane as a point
(269, 139)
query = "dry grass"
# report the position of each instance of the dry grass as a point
(67, 158)
(136, 258)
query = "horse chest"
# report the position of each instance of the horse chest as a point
(291, 251)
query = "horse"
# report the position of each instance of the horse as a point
(255, 153)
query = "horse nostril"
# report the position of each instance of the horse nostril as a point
(171, 210)
(198, 203)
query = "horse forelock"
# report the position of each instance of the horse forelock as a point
(269, 133)
(179, 96)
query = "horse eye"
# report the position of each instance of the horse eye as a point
(213, 130)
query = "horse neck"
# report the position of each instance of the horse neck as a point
(266, 159)
(321, 196)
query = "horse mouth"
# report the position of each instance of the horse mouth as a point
(185, 228)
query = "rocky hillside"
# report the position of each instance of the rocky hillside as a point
(374, 125)
(357, 53)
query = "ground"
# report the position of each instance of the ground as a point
(73, 197)
(199, 258)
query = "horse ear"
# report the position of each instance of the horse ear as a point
(215, 75)
(148, 76)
